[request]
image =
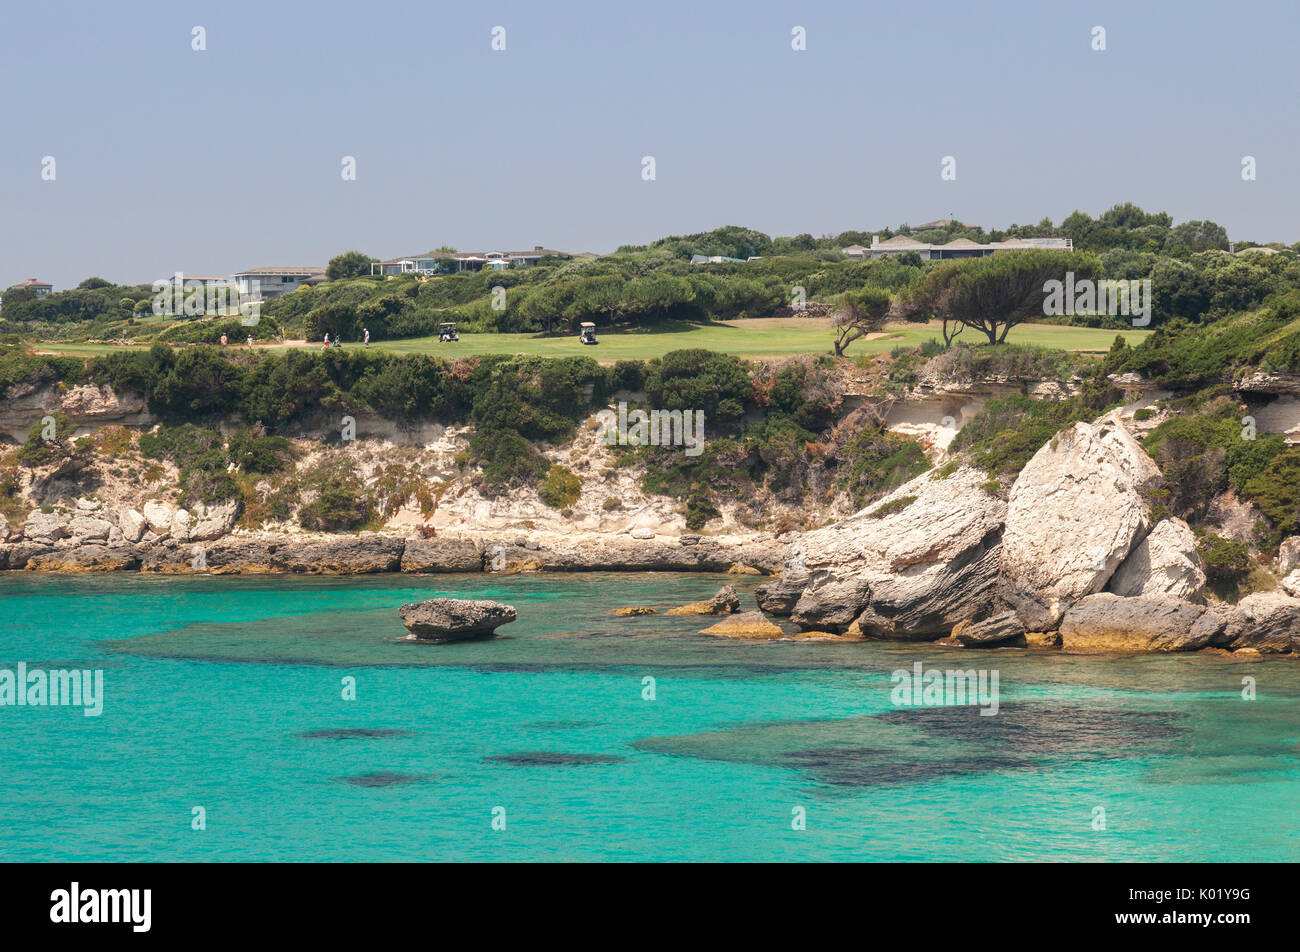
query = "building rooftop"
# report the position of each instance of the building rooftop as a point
(31, 283)
(280, 271)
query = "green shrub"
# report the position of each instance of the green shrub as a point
(253, 451)
(561, 488)
(1005, 435)
(876, 461)
(1227, 563)
(891, 507)
(1276, 491)
(199, 454)
(340, 504)
(1204, 454)
(507, 460)
(699, 512)
(38, 450)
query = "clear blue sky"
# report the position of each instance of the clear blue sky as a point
(212, 162)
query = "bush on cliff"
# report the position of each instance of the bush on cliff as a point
(46, 445)
(561, 488)
(200, 456)
(339, 500)
(1204, 454)
(506, 459)
(1276, 491)
(876, 461)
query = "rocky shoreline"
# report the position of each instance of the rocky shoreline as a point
(1077, 555)
(246, 553)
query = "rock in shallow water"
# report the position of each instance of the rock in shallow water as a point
(455, 619)
(745, 625)
(1108, 622)
(724, 602)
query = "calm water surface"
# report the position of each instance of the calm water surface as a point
(227, 694)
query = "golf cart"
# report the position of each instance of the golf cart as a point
(587, 333)
(447, 332)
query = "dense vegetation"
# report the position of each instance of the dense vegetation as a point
(773, 432)
(1192, 277)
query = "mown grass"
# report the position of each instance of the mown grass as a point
(753, 340)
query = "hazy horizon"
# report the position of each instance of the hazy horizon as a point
(542, 143)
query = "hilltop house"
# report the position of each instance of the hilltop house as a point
(266, 284)
(463, 261)
(40, 287)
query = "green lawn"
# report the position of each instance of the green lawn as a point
(756, 339)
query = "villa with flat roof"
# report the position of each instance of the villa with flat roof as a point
(266, 284)
(435, 261)
(957, 248)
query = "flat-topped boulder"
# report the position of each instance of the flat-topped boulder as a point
(745, 625)
(1110, 622)
(455, 619)
(1266, 621)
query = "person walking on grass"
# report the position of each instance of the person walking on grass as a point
(224, 340)
(366, 331)
(327, 338)
(250, 340)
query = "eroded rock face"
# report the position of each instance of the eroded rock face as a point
(442, 555)
(1266, 621)
(1279, 383)
(85, 558)
(132, 524)
(210, 522)
(780, 596)
(180, 525)
(83, 528)
(1109, 622)
(1288, 556)
(455, 619)
(23, 406)
(159, 516)
(1074, 515)
(1165, 564)
(1291, 584)
(45, 526)
(911, 565)
(1003, 628)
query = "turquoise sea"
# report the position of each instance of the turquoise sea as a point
(226, 694)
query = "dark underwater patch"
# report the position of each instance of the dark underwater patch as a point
(383, 779)
(871, 766)
(354, 733)
(550, 758)
(1044, 729)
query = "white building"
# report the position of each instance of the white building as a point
(266, 284)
